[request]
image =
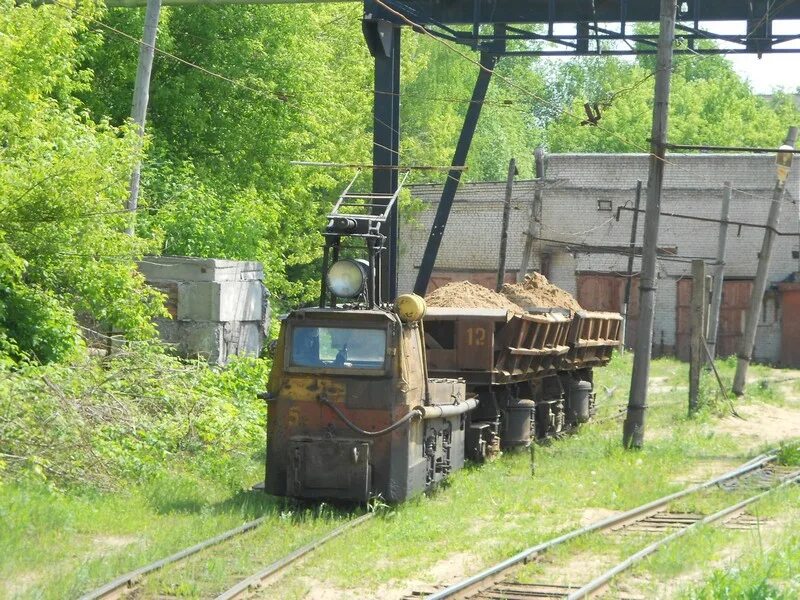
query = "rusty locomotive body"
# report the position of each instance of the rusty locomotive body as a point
(363, 403)
(372, 399)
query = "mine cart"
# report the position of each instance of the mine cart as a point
(494, 345)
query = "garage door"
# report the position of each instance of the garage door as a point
(735, 298)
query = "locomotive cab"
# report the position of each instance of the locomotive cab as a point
(347, 409)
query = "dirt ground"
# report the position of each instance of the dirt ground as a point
(761, 424)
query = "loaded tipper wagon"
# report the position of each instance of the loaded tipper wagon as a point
(531, 371)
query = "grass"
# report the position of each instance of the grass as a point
(56, 544)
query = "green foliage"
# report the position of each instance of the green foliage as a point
(217, 181)
(63, 178)
(709, 104)
(297, 85)
(132, 416)
(771, 575)
(789, 454)
(436, 95)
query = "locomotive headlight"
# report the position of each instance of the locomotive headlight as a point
(347, 277)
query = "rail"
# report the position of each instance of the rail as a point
(605, 578)
(117, 587)
(492, 575)
(256, 579)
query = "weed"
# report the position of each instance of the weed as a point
(489, 511)
(789, 454)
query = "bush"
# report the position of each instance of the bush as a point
(134, 416)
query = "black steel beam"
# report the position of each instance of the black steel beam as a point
(488, 62)
(573, 11)
(383, 40)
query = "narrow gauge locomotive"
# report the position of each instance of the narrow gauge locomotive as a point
(369, 400)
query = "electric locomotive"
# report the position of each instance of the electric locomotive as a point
(368, 399)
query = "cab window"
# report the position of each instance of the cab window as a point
(338, 347)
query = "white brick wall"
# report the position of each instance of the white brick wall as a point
(574, 183)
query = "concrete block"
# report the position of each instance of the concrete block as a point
(168, 330)
(243, 338)
(204, 340)
(186, 268)
(221, 301)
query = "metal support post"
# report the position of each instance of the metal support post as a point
(719, 273)
(535, 223)
(633, 428)
(141, 96)
(454, 176)
(383, 40)
(501, 268)
(698, 313)
(760, 284)
(629, 280)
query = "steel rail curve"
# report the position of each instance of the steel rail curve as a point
(602, 580)
(257, 578)
(492, 575)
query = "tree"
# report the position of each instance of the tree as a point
(710, 104)
(63, 253)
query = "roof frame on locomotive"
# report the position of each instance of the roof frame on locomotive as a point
(344, 221)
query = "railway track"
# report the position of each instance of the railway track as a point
(496, 583)
(125, 584)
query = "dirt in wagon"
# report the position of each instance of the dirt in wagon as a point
(534, 291)
(464, 294)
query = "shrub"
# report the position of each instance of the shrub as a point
(130, 417)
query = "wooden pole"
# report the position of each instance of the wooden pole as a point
(760, 284)
(698, 313)
(719, 273)
(501, 269)
(535, 222)
(633, 428)
(629, 281)
(141, 96)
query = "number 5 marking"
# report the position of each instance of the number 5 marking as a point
(293, 418)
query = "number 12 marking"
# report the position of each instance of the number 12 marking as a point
(476, 336)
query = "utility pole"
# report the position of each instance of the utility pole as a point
(698, 313)
(719, 273)
(501, 269)
(633, 428)
(628, 282)
(535, 223)
(141, 95)
(760, 284)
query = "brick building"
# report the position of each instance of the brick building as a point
(581, 246)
